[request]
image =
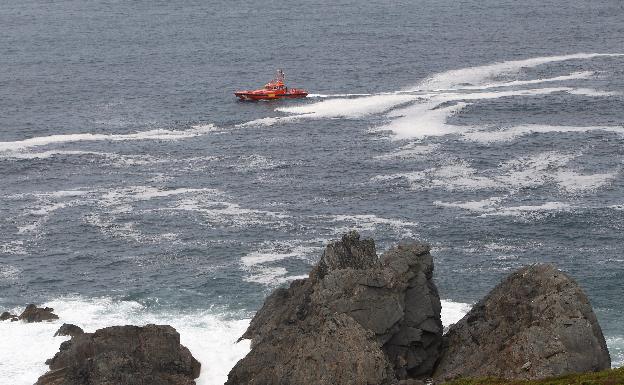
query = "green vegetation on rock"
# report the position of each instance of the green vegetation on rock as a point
(605, 377)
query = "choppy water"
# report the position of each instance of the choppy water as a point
(136, 189)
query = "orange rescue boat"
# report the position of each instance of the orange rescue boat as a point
(275, 89)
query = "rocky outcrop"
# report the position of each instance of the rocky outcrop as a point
(69, 330)
(33, 313)
(537, 323)
(129, 355)
(8, 316)
(357, 319)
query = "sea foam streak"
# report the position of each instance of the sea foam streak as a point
(159, 134)
(479, 74)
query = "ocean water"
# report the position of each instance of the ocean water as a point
(136, 188)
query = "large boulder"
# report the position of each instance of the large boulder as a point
(129, 355)
(357, 319)
(32, 313)
(536, 323)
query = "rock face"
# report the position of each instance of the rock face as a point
(357, 319)
(68, 330)
(33, 313)
(129, 355)
(536, 323)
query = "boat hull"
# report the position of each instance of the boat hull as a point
(251, 96)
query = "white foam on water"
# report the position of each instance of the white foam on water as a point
(485, 205)
(256, 162)
(350, 107)
(574, 182)
(582, 75)
(271, 276)
(593, 92)
(453, 311)
(371, 223)
(616, 350)
(15, 247)
(428, 118)
(509, 134)
(269, 121)
(454, 176)
(532, 211)
(479, 75)
(44, 154)
(159, 134)
(278, 251)
(9, 272)
(335, 95)
(411, 150)
(423, 119)
(210, 336)
(523, 172)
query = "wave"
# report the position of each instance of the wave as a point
(478, 75)
(349, 108)
(159, 134)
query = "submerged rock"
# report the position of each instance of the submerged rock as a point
(129, 355)
(536, 323)
(357, 319)
(68, 330)
(33, 313)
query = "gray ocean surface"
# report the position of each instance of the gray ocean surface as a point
(135, 188)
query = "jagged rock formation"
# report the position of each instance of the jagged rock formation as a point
(68, 330)
(357, 319)
(536, 323)
(33, 313)
(129, 355)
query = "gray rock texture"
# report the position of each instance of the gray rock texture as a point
(8, 316)
(68, 330)
(357, 319)
(33, 313)
(536, 323)
(129, 355)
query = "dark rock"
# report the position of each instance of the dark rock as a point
(68, 330)
(357, 319)
(6, 316)
(33, 313)
(536, 323)
(129, 355)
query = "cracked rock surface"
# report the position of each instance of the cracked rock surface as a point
(536, 323)
(357, 319)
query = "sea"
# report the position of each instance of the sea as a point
(135, 188)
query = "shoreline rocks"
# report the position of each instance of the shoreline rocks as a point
(69, 330)
(536, 323)
(357, 319)
(363, 319)
(130, 355)
(32, 313)
(8, 316)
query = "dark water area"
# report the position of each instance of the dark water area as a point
(134, 181)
